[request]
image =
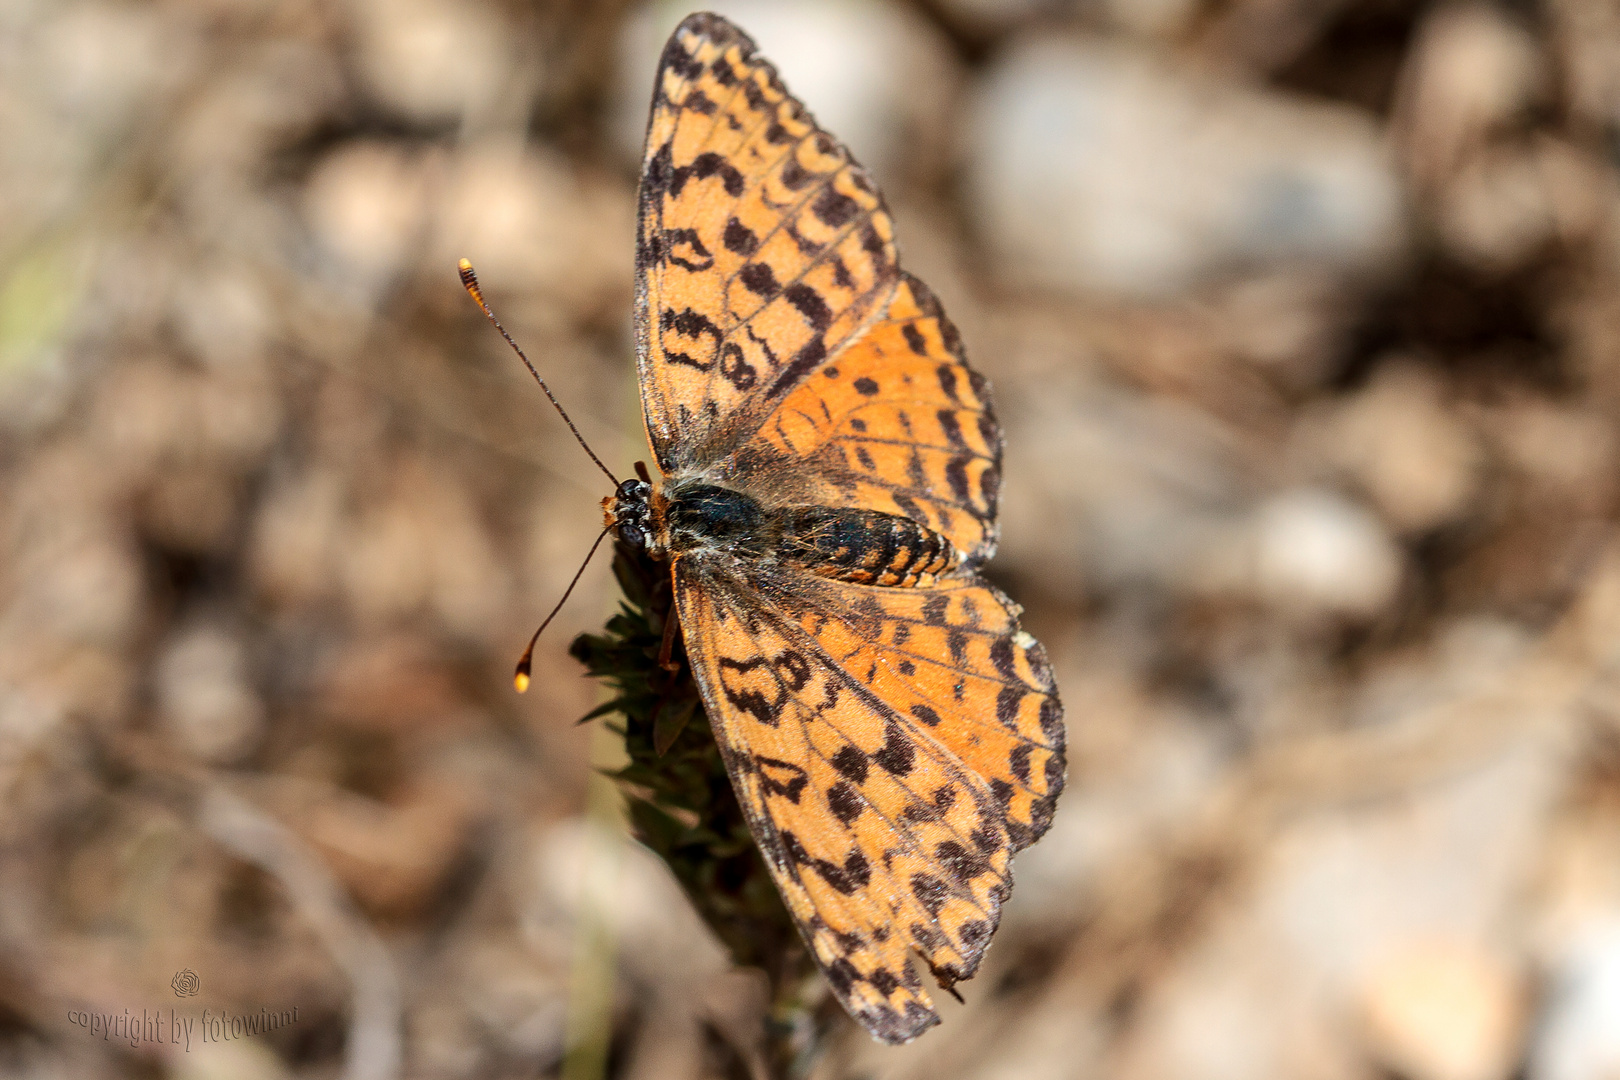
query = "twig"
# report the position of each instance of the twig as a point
(373, 1051)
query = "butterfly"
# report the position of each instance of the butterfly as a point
(829, 473)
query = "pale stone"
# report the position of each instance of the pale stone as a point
(204, 696)
(583, 872)
(1401, 442)
(433, 61)
(1318, 552)
(1579, 1036)
(1277, 974)
(296, 536)
(1444, 1010)
(1120, 489)
(1080, 156)
(234, 1059)
(422, 545)
(1473, 68)
(1505, 205)
(877, 76)
(366, 203)
(1568, 451)
(537, 227)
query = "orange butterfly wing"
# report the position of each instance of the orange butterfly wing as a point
(896, 422)
(762, 248)
(891, 747)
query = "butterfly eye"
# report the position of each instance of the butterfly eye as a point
(630, 489)
(632, 535)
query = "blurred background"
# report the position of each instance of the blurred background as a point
(1303, 318)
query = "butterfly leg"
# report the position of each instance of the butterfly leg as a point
(666, 648)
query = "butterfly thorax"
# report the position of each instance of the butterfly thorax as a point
(853, 544)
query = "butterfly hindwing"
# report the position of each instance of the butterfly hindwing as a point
(885, 788)
(951, 657)
(897, 422)
(762, 247)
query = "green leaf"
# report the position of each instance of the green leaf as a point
(669, 725)
(673, 764)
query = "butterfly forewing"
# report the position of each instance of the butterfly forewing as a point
(762, 247)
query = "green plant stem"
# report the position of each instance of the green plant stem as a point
(681, 805)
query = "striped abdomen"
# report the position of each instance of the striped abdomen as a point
(868, 547)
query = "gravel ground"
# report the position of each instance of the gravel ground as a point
(1304, 323)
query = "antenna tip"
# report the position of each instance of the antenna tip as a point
(520, 678)
(469, 281)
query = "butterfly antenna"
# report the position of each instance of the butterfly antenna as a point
(521, 678)
(469, 281)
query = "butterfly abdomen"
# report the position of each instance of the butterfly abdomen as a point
(867, 547)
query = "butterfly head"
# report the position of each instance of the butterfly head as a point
(628, 512)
